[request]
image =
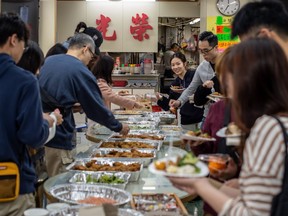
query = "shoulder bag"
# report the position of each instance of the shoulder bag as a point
(279, 205)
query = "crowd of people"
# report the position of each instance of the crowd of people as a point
(252, 76)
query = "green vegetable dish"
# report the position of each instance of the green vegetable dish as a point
(104, 179)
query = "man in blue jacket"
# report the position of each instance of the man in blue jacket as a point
(21, 119)
(67, 79)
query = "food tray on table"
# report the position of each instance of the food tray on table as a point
(128, 144)
(126, 117)
(139, 136)
(134, 125)
(144, 131)
(158, 202)
(145, 119)
(143, 155)
(127, 112)
(74, 211)
(88, 194)
(89, 165)
(171, 130)
(97, 129)
(117, 180)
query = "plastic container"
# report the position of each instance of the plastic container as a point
(126, 68)
(131, 69)
(137, 69)
(36, 212)
(57, 206)
(216, 162)
(148, 66)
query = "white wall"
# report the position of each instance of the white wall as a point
(208, 8)
(70, 13)
(47, 24)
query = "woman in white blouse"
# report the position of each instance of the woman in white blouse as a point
(255, 74)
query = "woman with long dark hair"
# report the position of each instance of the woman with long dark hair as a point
(255, 74)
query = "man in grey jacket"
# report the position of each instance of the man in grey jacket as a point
(208, 47)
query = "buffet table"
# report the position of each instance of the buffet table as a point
(147, 183)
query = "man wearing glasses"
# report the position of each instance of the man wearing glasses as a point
(66, 78)
(208, 47)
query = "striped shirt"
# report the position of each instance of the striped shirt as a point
(262, 171)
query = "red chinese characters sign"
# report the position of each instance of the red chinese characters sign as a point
(140, 27)
(102, 26)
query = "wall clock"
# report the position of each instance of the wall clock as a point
(228, 7)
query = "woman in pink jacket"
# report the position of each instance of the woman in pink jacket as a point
(102, 71)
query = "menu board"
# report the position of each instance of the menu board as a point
(221, 26)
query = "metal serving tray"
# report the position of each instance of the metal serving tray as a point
(74, 211)
(171, 130)
(126, 117)
(139, 136)
(145, 160)
(130, 144)
(147, 119)
(73, 193)
(145, 131)
(92, 178)
(82, 162)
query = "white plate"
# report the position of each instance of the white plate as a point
(204, 171)
(196, 138)
(216, 96)
(177, 90)
(221, 133)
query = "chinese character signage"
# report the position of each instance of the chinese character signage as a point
(102, 26)
(141, 25)
(221, 26)
(126, 27)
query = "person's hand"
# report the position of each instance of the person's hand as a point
(58, 116)
(208, 84)
(125, 129)
(174, 103)
(138, 106)
(50, 120)
(227, 173)
(233, 183)
(188, 184)
(158, 96)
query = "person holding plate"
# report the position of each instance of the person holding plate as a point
(190, 115)
(259, 107)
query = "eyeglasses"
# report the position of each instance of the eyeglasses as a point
(93, 56)
(205, 51)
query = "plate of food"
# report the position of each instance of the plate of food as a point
(217, 95)
(197, 136)
(124, 92)
(187, 166)
(232, 130)
(177, 89)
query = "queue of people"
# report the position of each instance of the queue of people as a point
(251, 75)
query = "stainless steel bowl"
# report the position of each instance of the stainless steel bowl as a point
(74, 211)
(73, 193)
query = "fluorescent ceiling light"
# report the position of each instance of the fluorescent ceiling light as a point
(194, 21)
(138, 0)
